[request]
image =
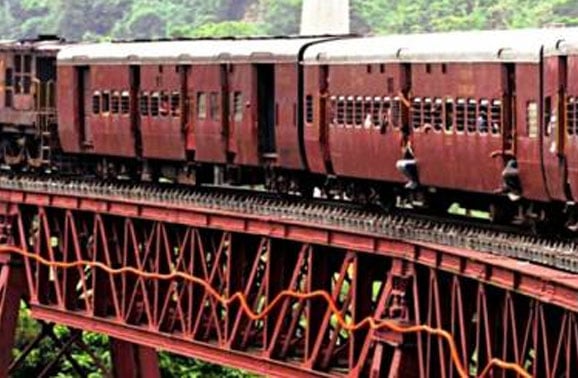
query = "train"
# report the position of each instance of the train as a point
(485, 119)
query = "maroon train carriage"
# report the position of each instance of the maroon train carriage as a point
(465, 98)
(27, 101)
(183, 106)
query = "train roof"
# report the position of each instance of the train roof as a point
(473, 46)
(264, 50)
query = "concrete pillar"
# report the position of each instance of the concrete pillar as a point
(325, 17)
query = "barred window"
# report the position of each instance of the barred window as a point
(125, 103)
(571, 115)
(483, 120)
(115, 107)
(309, 109)
(358, 112)
(155, 104)
(427, 111)
(105, 102)
(437, 114)
(471, 116)
(396, 112)
(238, 106)
(416, 110)
(96, 103)
(333, 111)
(377, 111)
(164, 108)
(460, 115)
(449, 115)
(341, 111)
(201, 105)
(532, 119)
(368, 118)
(349, 112)
(144, 104)
(496, 117)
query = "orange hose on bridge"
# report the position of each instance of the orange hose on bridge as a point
(369, 321)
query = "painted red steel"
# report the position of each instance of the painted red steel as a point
(494, 307)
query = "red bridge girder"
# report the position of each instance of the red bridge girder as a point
(494, 307)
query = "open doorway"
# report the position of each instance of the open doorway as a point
(266, 108)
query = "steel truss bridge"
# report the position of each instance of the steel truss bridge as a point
(272, 294)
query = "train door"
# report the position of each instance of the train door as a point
(509, 110)
(266, 109)
(46, 75)
(83, 95)
(134, 80)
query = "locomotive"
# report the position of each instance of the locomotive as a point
(486, 119)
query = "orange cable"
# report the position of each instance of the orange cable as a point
(369, 321)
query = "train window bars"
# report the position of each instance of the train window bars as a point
(144, 104)
(201, 105)
(471, 115)
(238, 106)
(96, 102)
(105, 106)
(349, 112)
(496, 117)
(483, 120)
(571, 116)
(376, 111)
(449, 116)
(437, 114)
(385, 115)
(427, 113)
(309, 109)
(460, 115)
(155, 104)
(115, 106)
(341, 111)
(164, 108)
(358, 112)
(125, 103)
(416, 113)
(368, 112)
(333, 111)
(532, 119)
(395, 112)
(9, 90)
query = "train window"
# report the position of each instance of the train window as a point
(155, 104)
(105, 108)
(548, 124)
(471, 115)
(164, 109)
(532, 119)
(333, 111)
(238, 106)
(449, 116)
(376, 111)
(496, 116)
(176, 104)
(427, 112)
(8, 79)
(395, 112)
(482, 121)
(26, 83)
(96, 103)
(571, 115)
(382, 68)
(115, 106)
(144, 104)
(17, 63)
(309, 109)
(201, 105)
(349, 112)
(341, 111)
(428, 68)
(444, 68)
(460, 115)
(358, 112)
(214, 106)
(27, 64)
(17, 83)
(368, 112)
(8, 98)
(125, 102)
(437, 114)
(416, 109)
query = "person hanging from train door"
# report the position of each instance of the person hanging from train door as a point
(407, 165)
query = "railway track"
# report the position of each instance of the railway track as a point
(557, 252)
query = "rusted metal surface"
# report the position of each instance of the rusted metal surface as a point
(133, 361)
(495, 307)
